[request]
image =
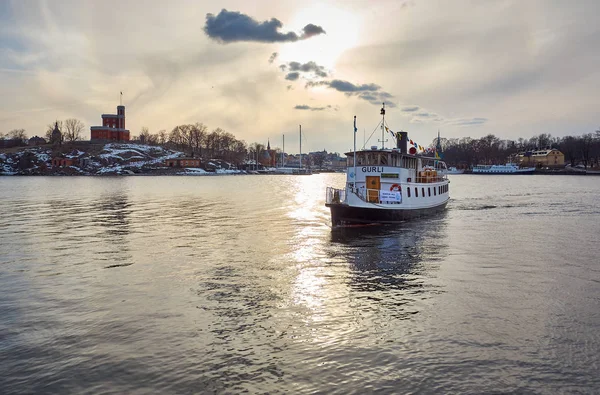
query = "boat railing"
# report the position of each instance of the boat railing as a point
(430, 179)
(335, 196)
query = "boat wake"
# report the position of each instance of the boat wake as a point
(475, 207)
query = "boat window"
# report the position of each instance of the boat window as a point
(409, 163)
(429, 191)
(416, 192)
(360, 159)
(383, 159)
(408, 192)
(434, 191)
(423, 191)
(350, 161)
(371, 159)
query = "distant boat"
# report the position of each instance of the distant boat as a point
(293, 170)
(454, 170)
(301, 171)
(509, 168)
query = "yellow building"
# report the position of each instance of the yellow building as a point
(542, 158)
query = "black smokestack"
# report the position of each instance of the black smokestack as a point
(402, 142)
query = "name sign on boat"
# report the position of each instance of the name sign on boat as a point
(394, 196)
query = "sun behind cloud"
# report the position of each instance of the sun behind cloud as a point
(342, 33)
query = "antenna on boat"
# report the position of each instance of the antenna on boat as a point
(383, 140)
(355, 130)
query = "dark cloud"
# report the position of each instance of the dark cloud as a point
(283, 67)
(273, 57)
(426, 115)
(348, 87)
(410, 109)
(293, 76)
(307, 68)
(233, 26)
(467, 121)
(311, 30)
(369, 92)
(369, 97)
(306, 107)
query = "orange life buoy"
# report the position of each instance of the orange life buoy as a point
(395, 187)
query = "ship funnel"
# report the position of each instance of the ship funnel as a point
(402, 142)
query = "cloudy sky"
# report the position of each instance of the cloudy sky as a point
(258, 69)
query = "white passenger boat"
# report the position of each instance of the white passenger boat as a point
(388, 185)
(509, 168)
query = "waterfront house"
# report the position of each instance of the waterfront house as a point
(542, 158)
(35, 140)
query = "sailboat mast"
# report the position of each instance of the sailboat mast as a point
(300, 146)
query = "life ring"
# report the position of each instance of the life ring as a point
(395, 187)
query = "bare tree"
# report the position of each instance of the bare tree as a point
(318, 158)
(144, 135)
(254, 151)
(240, 151)
(17, 134)
(152, 139)
(198, 137)
(72, 129)
(585, 145)
(163, 137)
(186, 132)
(175, 138)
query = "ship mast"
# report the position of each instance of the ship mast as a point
(354, 185)
(383, 140)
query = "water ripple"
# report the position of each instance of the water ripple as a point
(238, 284)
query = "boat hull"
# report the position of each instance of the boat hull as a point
(343, 214)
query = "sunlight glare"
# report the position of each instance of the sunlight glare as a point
(342, 32)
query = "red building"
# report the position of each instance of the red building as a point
(112, 129)
(183, 162)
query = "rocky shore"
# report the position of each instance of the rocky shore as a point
(100, 159)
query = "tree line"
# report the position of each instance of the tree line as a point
(196, 140)
(193, 139)
(466, 151)
(71, 130)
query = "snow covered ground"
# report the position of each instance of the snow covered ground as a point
(113, 158)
